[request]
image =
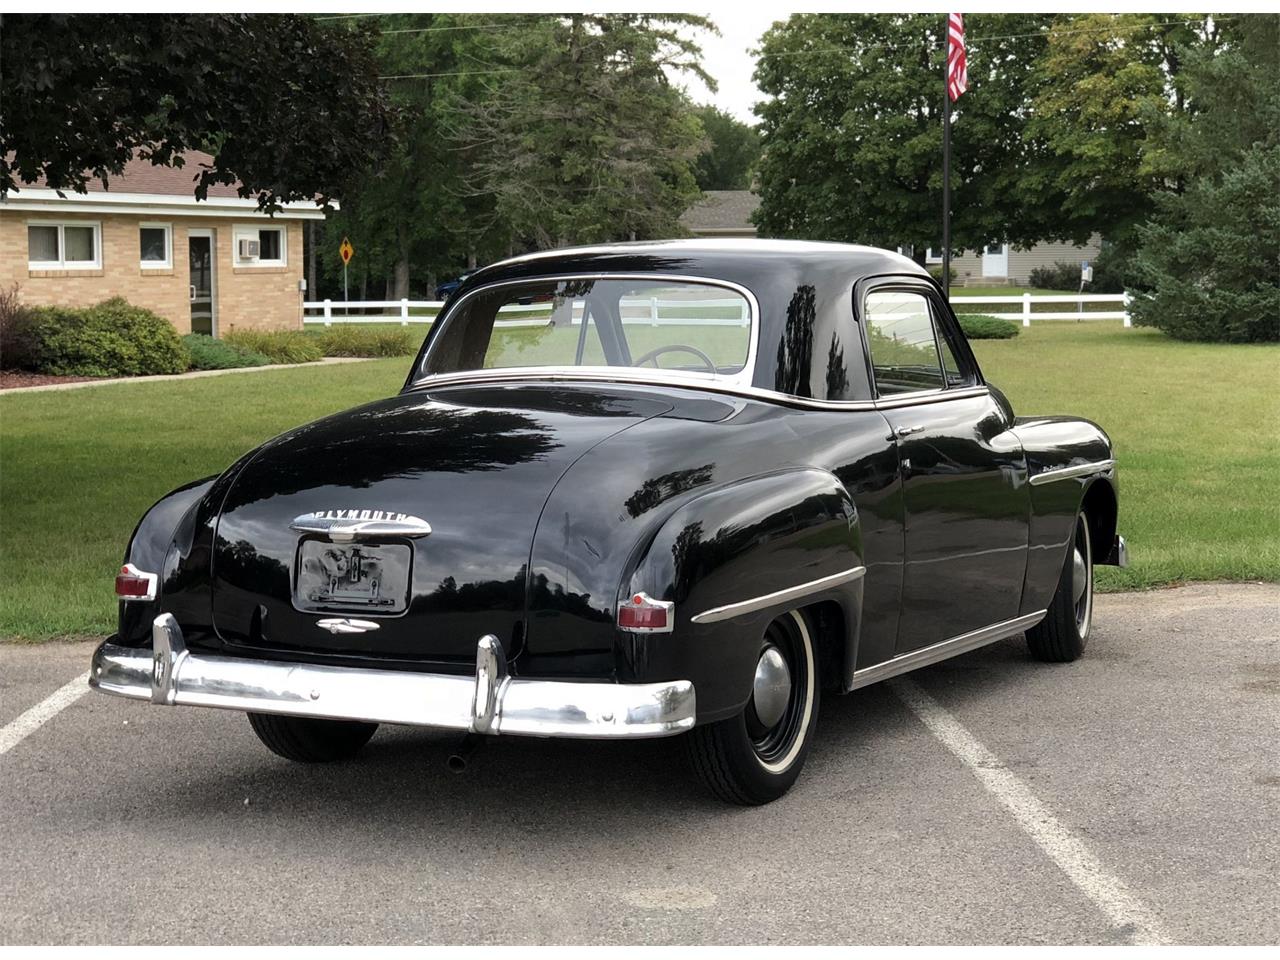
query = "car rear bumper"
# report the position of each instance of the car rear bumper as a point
(489, 702)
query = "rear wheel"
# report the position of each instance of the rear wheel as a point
(1063, 633)
(308, 740)
(755, 757)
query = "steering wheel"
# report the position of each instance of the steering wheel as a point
(670, 347)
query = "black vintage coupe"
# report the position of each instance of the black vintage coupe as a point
(644, 490)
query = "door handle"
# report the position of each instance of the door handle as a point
(908, 431)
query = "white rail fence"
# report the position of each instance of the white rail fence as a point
(655, 311)
(1027, 301)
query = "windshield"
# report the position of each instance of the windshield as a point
(678, 326)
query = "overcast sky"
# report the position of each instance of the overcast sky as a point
(726, 58)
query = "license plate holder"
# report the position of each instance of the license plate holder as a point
(352, 576)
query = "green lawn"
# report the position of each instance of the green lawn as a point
(1195, 429)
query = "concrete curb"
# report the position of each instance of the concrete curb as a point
(195, 374)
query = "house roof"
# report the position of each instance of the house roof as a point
(151, 188)
(721, 211)
(142, 176)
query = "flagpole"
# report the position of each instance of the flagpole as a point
(946, 187)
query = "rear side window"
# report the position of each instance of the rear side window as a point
(904, 349)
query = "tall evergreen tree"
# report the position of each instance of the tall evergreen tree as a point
(1208, 260)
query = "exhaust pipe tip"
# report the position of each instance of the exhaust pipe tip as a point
(457, 761)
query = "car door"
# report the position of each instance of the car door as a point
(966, 503)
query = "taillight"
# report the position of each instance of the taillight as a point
(642, 614)
(135, 584)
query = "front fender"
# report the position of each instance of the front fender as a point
(743, 541)
(1054, 447)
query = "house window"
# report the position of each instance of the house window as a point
(62, 246)
(932, 256)
(155, 242)
(271, 246)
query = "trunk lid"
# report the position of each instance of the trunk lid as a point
(476, 463)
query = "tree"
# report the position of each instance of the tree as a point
(1208, 260)
(287, 106)
(733, 151)
(852, 132)
(413, 217)
(1102, 80)
(585, 139)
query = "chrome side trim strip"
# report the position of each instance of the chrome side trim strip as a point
(938, 652)
(490, 702)
(731, 610)
(634, 376)
(1066, 473)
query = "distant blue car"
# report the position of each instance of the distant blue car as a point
(445, 290)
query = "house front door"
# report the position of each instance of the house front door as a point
(995, 260)
(202, 282)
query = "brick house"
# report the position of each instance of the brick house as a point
(207, 266)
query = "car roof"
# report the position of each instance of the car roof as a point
(749, 262)
(803, 294)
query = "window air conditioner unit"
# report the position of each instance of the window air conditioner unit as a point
(249, 249)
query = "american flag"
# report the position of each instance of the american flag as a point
(957, 67)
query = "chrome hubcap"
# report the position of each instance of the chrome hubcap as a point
(1082, 578)
(1079, 576)
(772, 688)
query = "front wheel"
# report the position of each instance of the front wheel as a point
(755, 757)
(1061, 636)
(307, 740)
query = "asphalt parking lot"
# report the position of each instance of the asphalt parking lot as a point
(1132, 796)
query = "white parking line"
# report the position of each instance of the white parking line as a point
(28, 722)
(1063, 847)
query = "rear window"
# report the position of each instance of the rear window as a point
(683, 327)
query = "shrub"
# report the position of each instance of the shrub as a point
(356, 342)
(110, 339)
(1066, 276)
(206, 353)
(279, 346)
(1061, 276)
(936, 273)
(17, 341)
(976, 326)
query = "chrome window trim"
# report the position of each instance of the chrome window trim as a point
(1066, 473)
(689, 381)
(937, 652)
(778, 597)
(940, 318)
(743, 377)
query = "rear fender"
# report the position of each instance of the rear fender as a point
(155, 547)
(733, 545)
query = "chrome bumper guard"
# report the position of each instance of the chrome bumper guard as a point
(491, 702)
(1118, 555)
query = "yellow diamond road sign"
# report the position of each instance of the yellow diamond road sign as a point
(346, 251)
